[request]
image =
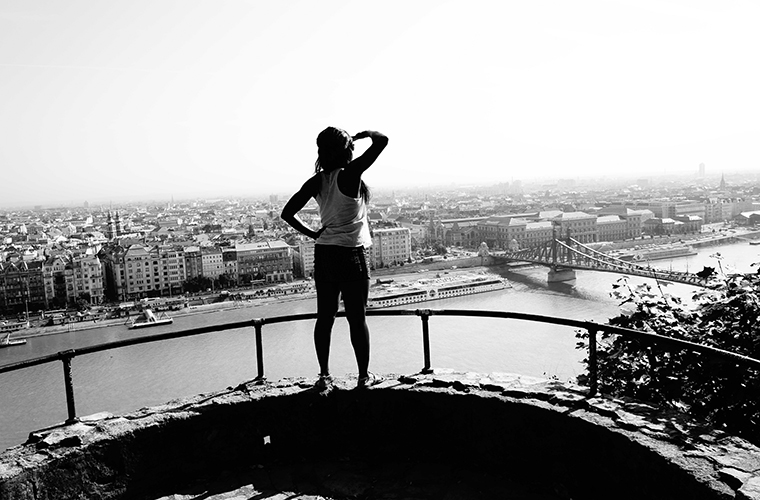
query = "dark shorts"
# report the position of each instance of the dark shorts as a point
(336, 264)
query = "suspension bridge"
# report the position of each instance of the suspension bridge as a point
(564, 257)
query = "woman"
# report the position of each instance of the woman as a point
(341, 264)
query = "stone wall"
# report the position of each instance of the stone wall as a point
(512, 430)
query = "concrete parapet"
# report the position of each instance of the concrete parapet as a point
(468, 433)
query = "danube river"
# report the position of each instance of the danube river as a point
(129, 378)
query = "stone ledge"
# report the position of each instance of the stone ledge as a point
(472, 414)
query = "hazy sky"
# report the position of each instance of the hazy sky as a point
(106, 100)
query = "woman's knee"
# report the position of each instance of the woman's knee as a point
(324, 321)
(357, 322)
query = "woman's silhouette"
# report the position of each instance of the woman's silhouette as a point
(341, 261)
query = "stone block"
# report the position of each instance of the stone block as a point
(750, 490)
(734, 477)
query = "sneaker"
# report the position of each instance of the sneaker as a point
(370, 380)
(324, 382)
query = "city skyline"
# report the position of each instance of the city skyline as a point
(114, 101)
(384, 194)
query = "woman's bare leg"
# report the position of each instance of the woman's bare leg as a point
(328, 295)
(355, 301)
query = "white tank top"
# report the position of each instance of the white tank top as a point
(343, 217)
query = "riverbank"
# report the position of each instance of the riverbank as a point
(186, 311)
(409, 272)
(720, 236)
(402, 274)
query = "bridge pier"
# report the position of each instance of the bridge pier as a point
(559, 274)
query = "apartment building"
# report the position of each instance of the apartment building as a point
(114, 271)
(212, 262)
(718, 210)
(137, 268)
(391, 246)
(270, 260)
(85, 280)
(303, 259)
(54, 277)
(193, 262)
(169, 270)
(418, 231)
(231, 267)
(22, 286)
(153, 271)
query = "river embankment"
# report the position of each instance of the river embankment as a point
(703, 239)
(405, 273)
(408, 272)
(185, 311)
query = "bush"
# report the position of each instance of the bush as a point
(723, 316)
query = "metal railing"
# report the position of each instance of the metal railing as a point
(424, 314)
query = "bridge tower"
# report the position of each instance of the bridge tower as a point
(558, 273)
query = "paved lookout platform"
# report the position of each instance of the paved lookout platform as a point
(443, 435)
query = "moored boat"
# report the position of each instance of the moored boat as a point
(6, 327)
(658, 253)
(148, 318)
(7, 342)
(396, 294)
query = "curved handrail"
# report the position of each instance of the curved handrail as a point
(587, 325)
(424, 314)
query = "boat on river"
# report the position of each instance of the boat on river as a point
(149, 318)
(8, 328)
(658, 253)
(7, 342)
(388, 294)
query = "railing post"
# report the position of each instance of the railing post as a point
(68, 381)
(424, 315)
(258, 324)
(593, 368)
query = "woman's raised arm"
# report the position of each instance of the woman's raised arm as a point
(362, 163)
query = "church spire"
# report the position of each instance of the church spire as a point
(111, 229)
(119, 229)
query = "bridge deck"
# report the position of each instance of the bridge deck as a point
(572, 254)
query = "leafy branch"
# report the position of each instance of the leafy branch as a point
(724, 316)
